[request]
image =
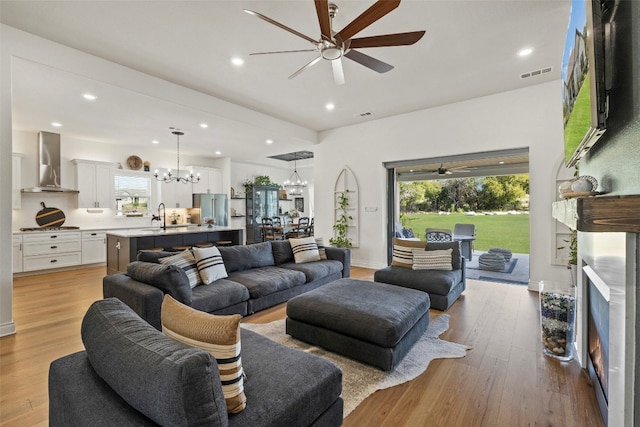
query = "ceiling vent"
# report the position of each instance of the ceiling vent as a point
(296, 155)
(536, 72)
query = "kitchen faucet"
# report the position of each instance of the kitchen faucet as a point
(164, 216)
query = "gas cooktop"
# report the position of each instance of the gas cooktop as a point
(62, 227)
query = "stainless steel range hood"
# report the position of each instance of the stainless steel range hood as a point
(48, 165)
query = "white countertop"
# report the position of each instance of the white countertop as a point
(157, 231)
(144, 231)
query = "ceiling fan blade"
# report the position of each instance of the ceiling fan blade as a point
(368, 61)
(277, 24)
(400, 39)
(283, 51)
(338, 72)
(322, 9)
(368, 17)
(309, 65)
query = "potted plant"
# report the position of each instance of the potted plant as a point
(341, 226)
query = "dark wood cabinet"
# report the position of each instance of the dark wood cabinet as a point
(261, 202)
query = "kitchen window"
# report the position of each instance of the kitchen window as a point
(132, 193)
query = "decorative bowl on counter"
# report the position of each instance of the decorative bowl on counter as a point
(584, 184)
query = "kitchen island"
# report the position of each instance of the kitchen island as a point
(123, 245)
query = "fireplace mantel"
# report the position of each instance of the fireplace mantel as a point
(600, 214)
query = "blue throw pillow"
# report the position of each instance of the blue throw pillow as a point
(408, 233)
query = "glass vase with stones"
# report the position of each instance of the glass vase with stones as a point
(558, 319)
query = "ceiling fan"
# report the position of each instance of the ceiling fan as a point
(332, 46)
(448, 171)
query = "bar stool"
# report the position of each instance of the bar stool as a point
(224, 243)
(179, 248)
(204, 245)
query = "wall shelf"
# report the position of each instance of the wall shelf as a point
(347, 181)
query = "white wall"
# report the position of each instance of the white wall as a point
(529, 117)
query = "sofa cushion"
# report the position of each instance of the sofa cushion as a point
(209, 263)
(456, 255)
(432, 260)
(282, 252)
(286, 387)
(187, 262)
(219, 335)
(304, 250)
(224, 293)
(267, 280)
(152, 256)
(438, 282)
(169, 279)
(168, 382)
(403, 251)
(239, 258)
(317, 269)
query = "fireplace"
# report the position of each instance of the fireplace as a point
(598, 342)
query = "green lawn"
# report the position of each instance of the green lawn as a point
(492, 231)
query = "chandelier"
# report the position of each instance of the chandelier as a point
(169, 177)
(295, 184)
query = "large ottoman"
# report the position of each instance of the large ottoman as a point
(375, 323)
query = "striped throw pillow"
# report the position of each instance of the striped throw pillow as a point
(403, 252)
(210, 264)
(304, 250)
(432, 260)
(187, 262)
(219, 335)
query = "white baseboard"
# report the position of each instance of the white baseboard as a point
(365, 264)
(7, 329)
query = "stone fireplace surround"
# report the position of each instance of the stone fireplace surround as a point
(608, 254)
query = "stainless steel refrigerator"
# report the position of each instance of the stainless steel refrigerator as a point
(210, 207)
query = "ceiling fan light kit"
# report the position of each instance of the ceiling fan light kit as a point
(333, 46)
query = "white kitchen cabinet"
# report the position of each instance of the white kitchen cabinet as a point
(175, 195)
(210, 180)
(16, 180)
(17, 254)
(94, 247)
(43, 250)
(94, 183)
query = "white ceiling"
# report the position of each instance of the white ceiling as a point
(469, 50)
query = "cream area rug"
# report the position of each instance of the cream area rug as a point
(360, 380)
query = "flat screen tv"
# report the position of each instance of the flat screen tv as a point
(584, 96)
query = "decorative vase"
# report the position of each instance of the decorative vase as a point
(564, 187)
(557, 319)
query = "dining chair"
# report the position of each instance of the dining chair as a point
(267, 229)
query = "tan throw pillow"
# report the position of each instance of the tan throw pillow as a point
(304, 250)
(403, 252)
(432, 260)
(219, 335)
(210, 264)
(187, 262)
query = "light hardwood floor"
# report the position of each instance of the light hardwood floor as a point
(503, 381)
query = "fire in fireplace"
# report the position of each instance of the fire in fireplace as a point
(598, 342)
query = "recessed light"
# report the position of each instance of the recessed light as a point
(218, 153)
(237, 61)
(501, 163)
(89, 96)
(155, 141)
(204, 125)
(525, 52)
(56, 124)
(330, 106)
(269, 141)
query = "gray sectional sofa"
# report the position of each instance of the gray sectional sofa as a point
(443, 286)
(260, 276)
(133, 375)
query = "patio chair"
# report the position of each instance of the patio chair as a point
(438, 235)
(467, 233)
